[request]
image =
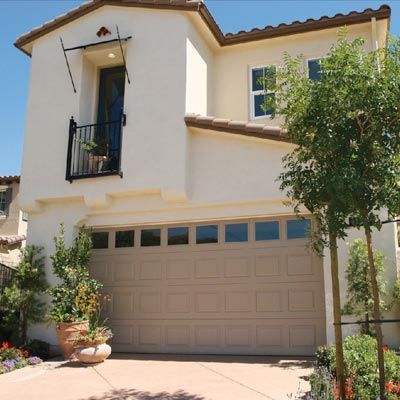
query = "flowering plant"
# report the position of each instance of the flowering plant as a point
(92, 304)
(12, 358)
(93, 336)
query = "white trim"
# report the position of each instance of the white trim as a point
(257, 92)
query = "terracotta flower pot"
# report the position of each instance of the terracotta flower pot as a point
(93, 354)
(66, 333)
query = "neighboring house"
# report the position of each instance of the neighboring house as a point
(13, 222)
(193, 239)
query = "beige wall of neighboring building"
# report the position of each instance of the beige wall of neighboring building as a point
(12, 224)
(171, 173)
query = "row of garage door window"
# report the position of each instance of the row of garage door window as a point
(239, 232)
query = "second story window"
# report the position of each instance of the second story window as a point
(261, 79)
(5, 200)
(314, 69)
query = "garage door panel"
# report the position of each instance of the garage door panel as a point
(207, 267)
(179, 269)
(255, 297)
(150, 269)
(268, 266)
(237, 267)
(178, 302)
(208, 302)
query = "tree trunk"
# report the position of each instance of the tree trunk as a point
(377, 314)
(337, 316)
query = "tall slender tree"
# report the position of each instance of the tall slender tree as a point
(346, 161)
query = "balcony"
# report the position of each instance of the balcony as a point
(94, 150)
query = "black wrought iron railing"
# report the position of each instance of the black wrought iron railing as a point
(6, 276)
(94, 150)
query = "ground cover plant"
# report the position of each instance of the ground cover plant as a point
(12, 358)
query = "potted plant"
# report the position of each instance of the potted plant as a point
(97, 154)
(91, 344)
(70, 265)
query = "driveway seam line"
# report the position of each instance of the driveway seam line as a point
(238, 383)
(104, 378)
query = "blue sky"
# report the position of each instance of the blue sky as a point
(19, 16)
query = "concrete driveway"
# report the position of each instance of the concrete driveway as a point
(151, 377)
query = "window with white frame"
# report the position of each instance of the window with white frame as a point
(259, 91)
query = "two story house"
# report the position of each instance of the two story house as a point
(13, 222)
(145, 124)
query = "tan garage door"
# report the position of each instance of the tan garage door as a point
(231, 287)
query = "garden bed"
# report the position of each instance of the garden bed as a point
(12, 358)
(361, 371)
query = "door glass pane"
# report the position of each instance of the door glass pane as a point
(179, 235)
(268, 230)
(124, 239)
(100, 240)
(150, 237)
(236, 233)
(298, 228)
(207, 234)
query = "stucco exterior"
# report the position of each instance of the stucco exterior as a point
(171, 173)
(12, 224)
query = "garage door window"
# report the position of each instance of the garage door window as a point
(178, 235)
(207, 234)
(124, 239)
(268, 230)
(298, 228)
(236, 233)
(150, 237)
(100, 240)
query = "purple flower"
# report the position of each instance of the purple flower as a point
(34, 360)
(8, 365)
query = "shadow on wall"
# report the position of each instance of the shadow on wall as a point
(133, 394)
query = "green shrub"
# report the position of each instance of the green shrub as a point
(321, 384)
(70, 265)
(9, 353)
(361, 368)
(23, 295)
(359, 298)
(37, 348)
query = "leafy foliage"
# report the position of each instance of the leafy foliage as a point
(359, 299)
(70, 264)
(361, 373)
(346, 127)
(28, 283)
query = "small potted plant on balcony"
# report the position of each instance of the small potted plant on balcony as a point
(70, 265)
(91, 344)
(98, 151)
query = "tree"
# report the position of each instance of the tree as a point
(70, 265)
(28, 283)
(359, 299)
(346, 162)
